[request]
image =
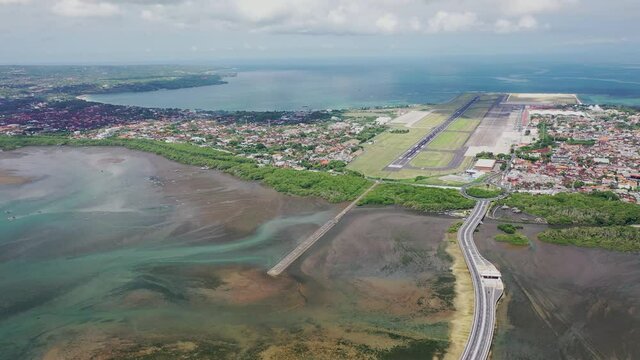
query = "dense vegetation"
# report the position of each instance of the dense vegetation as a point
(455, 227)
(581, 142)
(619, 238)
(596, 208)
(369, 133)
(513, 239)
(417, 198)
(490, 155)
(509, 228)
(140, 85)
(544, 142)
(417, 349)
(334, 188)
(603, 213)
(484, 192)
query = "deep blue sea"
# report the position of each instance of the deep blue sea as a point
(353, 84)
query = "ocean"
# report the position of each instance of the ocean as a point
(355, 84)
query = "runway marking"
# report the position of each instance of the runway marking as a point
(408, 155)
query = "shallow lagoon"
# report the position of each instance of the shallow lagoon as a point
(114, 253)
(564, 302)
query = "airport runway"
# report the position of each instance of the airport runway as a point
(406, 157)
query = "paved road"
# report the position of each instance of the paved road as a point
(406, 157)
(306, 244)
(487, 285)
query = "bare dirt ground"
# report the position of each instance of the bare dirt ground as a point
(410, 118)
(569, 99)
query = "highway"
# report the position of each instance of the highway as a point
(487, 282)
(306, 244)
(487, 285)
(406, 157)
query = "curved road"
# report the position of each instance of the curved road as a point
(487, 285)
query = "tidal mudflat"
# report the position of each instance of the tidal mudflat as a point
(564, 302)
(109, 253)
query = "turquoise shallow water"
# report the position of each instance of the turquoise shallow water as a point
(377, 83)
(95, 226)
(110, 253)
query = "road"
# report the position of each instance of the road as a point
(406, 157)
(306, 244)
(487, 285)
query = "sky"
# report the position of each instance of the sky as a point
(162, 31)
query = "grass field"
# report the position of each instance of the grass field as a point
(448, 140)
(480, 108)
(464, 125)
(432, 159)
(369, 113)
(431, 175)
(456, 103)
(387, 146)
(430, 121)
(385, 149)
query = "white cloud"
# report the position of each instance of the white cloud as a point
(444, 21)
(84, 8)
(288, 16)
(7, 2)
(525, 23)
(387, 23)
(258, 11)
(415, 24)
(528, 7)
(326, 16)
(149, 15)
(154, 13)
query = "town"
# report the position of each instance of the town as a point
(294, 139)
(572, 148)
(290, 140)
(580, 148)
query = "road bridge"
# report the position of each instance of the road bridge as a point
(487, 285)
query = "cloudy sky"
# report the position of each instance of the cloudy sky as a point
(116, 31)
